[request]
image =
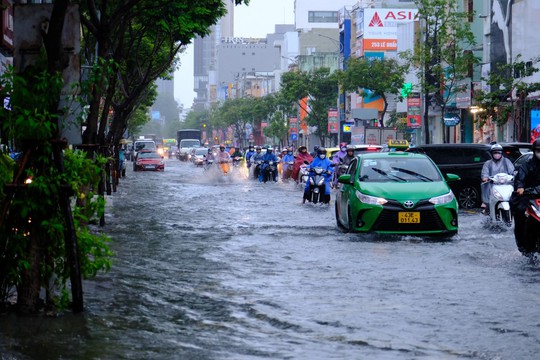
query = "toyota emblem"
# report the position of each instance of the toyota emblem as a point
(408, 204)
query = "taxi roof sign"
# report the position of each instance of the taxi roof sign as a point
(398, 144)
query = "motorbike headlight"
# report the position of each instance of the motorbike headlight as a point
(311, 181)
(371, 200)
(443, 199)
(321, 182)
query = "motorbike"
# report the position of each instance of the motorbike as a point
(257, 169)
(340, 169)
(531, 239)
(270, 171)
(316, 192)
(208, 165)
(236, 161)
(499, 199)
(225, 167)
(303, 175)
(288, 170)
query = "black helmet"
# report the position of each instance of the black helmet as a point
(316, 147)
(302, 147)
(536, 145)
(321, 150)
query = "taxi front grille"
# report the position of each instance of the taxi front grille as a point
(429, 220)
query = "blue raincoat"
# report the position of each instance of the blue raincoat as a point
(267, 158)
(326, 165)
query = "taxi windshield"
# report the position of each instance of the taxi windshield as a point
(398, 169)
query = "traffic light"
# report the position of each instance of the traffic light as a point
(406, 90)
(204, 125)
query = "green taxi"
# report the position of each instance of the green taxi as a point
(396, 193)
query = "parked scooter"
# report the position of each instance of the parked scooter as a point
(499, 199)
(317, 186)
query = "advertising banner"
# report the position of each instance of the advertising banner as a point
(333, 122)
(381, 27)
(452, 117)
(414, 110)
(535, 124)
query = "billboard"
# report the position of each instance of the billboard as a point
(381, 27)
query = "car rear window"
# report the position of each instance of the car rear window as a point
(149, 155)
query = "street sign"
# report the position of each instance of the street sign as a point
(294, 136)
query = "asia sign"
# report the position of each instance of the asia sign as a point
(381, 27)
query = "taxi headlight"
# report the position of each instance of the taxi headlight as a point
(371, 200)
(443, 199)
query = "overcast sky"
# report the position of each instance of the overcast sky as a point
(256, 20)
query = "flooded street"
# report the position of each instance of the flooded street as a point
(212, 268)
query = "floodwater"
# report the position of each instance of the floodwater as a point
(214, 268)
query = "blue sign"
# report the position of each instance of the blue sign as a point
(294, 136)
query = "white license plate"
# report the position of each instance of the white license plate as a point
(149, 166)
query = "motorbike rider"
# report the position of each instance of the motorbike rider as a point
(528, 176)
(249, 154)
(314, 152)
(323, 162)
(340, 154)
(498, 164)
(349, 156)
(286, 159)
(257, 156)
(236, 155)
(223, 158)
(301, 157)
(267, 158)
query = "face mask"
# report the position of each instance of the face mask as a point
(322, 156)
(343, 149)
(290, 153)
(497, 156)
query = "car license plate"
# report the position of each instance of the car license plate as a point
(150, 167)
(408, 217)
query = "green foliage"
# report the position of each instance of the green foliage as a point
(321, 86)
(34, 211)
(380, 76)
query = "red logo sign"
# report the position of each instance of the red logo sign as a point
(376, 21)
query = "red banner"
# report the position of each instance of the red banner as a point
(414, 110)
(333, 122)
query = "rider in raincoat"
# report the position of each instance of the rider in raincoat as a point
(269, 156)
(287, 158)
(249, 154)
(302, 156)
(498, 164)
(323, 162)
(340, 154)
(223, 158)
(257, 156)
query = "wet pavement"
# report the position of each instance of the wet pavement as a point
(228, 268)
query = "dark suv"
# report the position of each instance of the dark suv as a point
(466, 161)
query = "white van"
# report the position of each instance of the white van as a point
(143, 144)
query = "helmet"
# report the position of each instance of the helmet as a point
(300, 148)
(343, 144)
(284, 150)
(270, 149)
(536, 145)
(315, 147)
(350, 148)
(251, 147)
(496, 148)
(258, 148)
(321, 150)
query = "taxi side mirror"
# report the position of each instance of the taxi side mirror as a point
(345, 179)
(452, 177)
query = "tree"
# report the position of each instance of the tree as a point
(320, 87)
(380, 76)
(506, 99)
(443, 53)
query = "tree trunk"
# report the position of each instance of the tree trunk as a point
(28, 291)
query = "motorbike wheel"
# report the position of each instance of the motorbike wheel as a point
(315, 197)
(506, 217)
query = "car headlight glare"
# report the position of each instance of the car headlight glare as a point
(443, 199)
(371, 200)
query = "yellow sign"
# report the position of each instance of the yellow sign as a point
(398, 144)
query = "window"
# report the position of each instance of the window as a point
(323, 16)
